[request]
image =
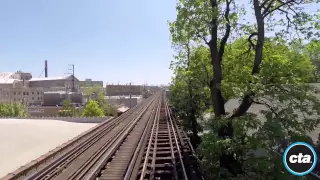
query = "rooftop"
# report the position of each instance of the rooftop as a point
(58, 92)
(48, 78)
(122, 97)
(8, 77)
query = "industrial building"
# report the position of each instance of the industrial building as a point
(21, 87)
(90, 83)
(123, 90)
(15, 87)
(53, 98)
(66, 83)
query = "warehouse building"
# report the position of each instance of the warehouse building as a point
(53, 98)
(123, 90)
(21, 87)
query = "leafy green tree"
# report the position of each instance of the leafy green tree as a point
(92, 109)
(68, 110)
(279, 87)
(13, 110)
(260, 81)
(189, 89)
(312, 49)
(97, 93)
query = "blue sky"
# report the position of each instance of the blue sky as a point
(111, 40)
(114, 41)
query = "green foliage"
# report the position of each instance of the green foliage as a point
(289, 112)
(92, 109)
(13, 110)
(68, 110)
(279, 84)
(190, 93)
(110, 110)
(97, 93)
(280, 65)
(312, 50)
(280, 89)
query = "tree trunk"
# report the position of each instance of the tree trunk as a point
(195, 139)
(247, 100)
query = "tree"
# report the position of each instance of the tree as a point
(312, 49)
(92, 109)
(13, 110)
(68, 110)
(96, 93)
(189, 88)
(215, 22)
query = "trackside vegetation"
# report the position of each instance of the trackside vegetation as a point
(13, 110)
(234, 56)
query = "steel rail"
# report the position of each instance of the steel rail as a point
(99, 157)
(183, 137)
(67, 158)
(130, 168)
(173, 158)
(94, 136)
(152, 136)
(177, 144)
(91, 171)
(43, 161)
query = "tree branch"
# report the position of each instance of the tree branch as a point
(252, 45)
(207, 74)
(264, 3)
(267, 11)
(247, 100)
(228, 29)
(267, 105)
(204, 39)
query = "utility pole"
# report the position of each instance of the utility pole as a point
(130, 94)
(73, 78)
(73, 86)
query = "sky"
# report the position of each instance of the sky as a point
(118, 41)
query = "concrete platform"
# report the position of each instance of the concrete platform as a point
(23, 140)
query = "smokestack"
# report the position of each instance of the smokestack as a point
(46, 68)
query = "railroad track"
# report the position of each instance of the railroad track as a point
(143, 143)
(167, 152)
(74, 154)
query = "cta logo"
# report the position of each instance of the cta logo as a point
(300, 158)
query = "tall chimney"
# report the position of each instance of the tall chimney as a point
(46, 68)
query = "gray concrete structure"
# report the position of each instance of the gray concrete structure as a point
(57, 97)
(123, 90)
(90, 83)
(55, 83)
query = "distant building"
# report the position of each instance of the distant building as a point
(123, 90)
(54, 98)
(56, 83)
(90, 83)
(14, 87)
(21, 87)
